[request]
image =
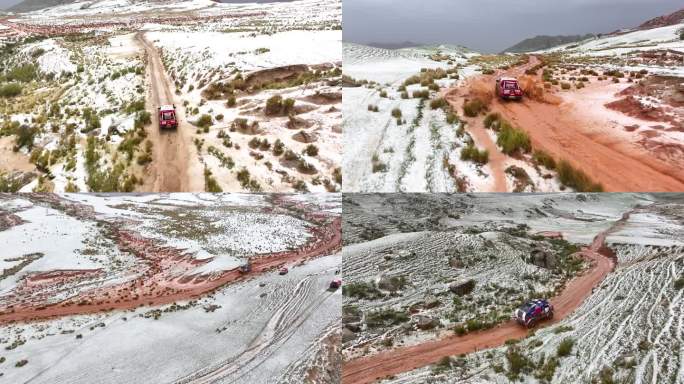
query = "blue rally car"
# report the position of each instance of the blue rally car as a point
(532, 312)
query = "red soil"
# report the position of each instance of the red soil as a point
(162, 275)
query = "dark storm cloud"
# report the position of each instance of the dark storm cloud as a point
(491, 25)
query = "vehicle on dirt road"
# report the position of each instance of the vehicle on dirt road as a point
(283, 271)
(246, 268)
(508, 88)
(532, 312)
(167, 117)
(335, 284)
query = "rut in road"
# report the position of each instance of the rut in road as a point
(371, 368)
(170, 169)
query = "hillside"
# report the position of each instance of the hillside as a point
(664, 21)
(542, 42)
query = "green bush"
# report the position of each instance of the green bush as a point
(565, 347)
(491, 119)
(385, 318)
(513, 140)
(438, 103)
(576, 179)
(275, 105)
(471, 153)
(396, 112)
(362, 290)
(23, 73)
(10, 90)
(473, 107)
(311, 150)
(544, 159)
(210, 184)
(204, 121)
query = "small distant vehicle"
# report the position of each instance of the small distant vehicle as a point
(508, 88)
(246, 268)
(335, 284)
(283, 271)
(532, 312)
(167, 117)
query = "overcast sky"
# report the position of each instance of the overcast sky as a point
(491, 25)
(8, 3)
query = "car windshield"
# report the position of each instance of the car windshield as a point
(527, 306)
(510, 85)
(167, 115)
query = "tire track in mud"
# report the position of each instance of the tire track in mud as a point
(171, 169)
(281, 326)
(369, 369)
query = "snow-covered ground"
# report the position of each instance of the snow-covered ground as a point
(265, 327)
(628, 330)
(416, 152)
(95, 84)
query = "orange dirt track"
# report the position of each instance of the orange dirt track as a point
(564, 130)
(372, 368)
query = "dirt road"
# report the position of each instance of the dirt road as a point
(369, 369)
(173, 168)
(576, 130)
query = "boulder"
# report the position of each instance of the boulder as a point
(542, 259)
(426, 322)
(456, 262)
(432, 302)
(347, 335)
(463, 287)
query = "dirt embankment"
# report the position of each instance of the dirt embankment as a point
(573, 126)
(175, 167)
(372, 368)
(163, 275)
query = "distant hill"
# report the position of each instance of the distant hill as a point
(405, 44)
(663, 21)
(542, 42)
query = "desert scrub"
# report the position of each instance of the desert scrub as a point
(10, 90)
(544, 159)
(565, 347)
(471, 153)
(247, 182)
(576, 178)
(311, 150)
(566, 86)
(513, 140)
(492, 119)
(278, 148)
(373, 108)
(276, 105)
(362, 290)
(439, 103)
(396, 112)
(421, 94)
(474, 107)
(385, 318)
(210, 183)
(518, 363)
(204, 121)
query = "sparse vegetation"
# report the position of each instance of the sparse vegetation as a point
(474, 107)
(471, 153)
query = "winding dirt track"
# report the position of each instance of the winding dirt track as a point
(371, 368)
(588, 141)
(172, 169)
